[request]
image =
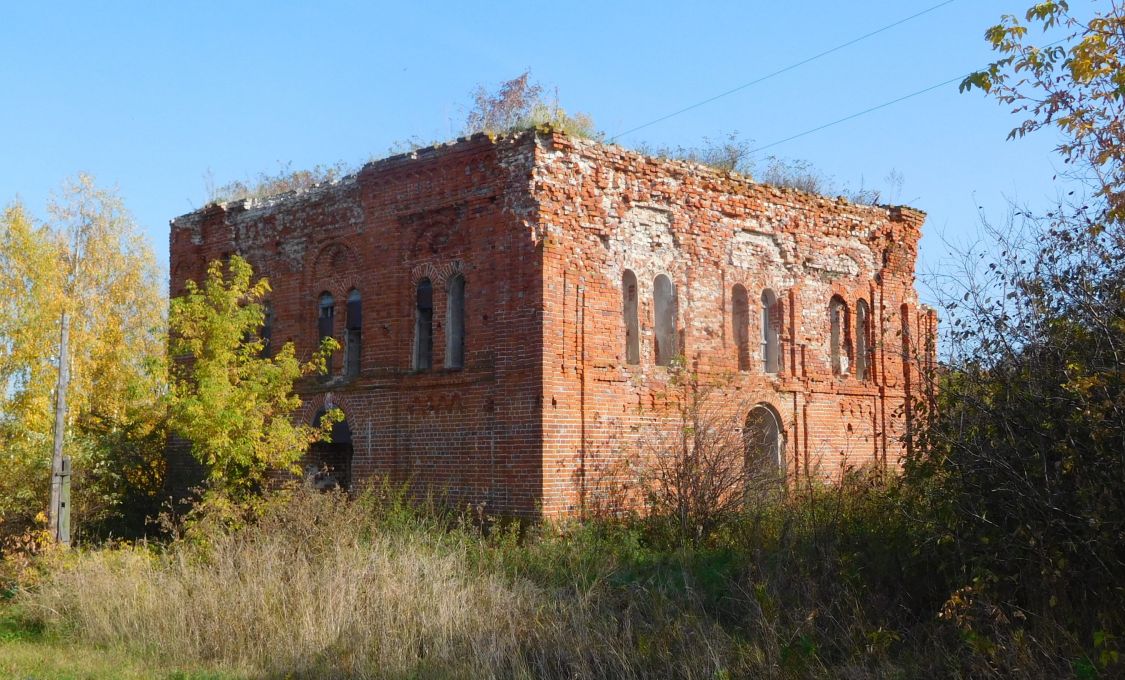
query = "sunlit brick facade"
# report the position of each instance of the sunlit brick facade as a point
(512, 302)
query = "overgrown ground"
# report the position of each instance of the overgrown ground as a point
(826, 583)
(28, 651)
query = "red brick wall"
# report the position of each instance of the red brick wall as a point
(471, 434)
(542, 227)
(605, 209)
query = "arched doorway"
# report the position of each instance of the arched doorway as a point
(329, 464)
(765, 449)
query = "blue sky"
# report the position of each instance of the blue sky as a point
(151, 97)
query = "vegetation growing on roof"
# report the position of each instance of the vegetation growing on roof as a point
(519, 104)
(266, 184)
(735, 153)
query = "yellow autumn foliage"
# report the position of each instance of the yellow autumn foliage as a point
(89, 259)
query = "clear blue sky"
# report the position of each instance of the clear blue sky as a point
(149, 97)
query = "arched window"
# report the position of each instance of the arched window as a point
(740, 320)
(664, 309)
(904, 314)
(329, 463)
(771, 330)
(267, 330)
(838, 345)
(424, 326)
(455, 322)
(864, 354)
(765, 457)
(326, 323)
(353, 341)
(629, 309)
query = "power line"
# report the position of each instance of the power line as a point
(780, 71)
(883, 105)
(857, 115)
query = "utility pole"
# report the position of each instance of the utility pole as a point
(59, 512)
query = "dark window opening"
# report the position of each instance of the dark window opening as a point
(424, 326)
(771, 332)
(765, 455)
(740, 319)
(326, 323)
(353, 339)
(455, 322)
(839, 346)
(329, 464)
(664, 311)
(632, 325)
(864, 354)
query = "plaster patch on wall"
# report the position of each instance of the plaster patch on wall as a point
(832, 265)
(644, 241)
(518, 162)
(650, 228)
(292, 251)
(841, 258)
(753, 249)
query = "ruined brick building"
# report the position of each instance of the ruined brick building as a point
(510, 310)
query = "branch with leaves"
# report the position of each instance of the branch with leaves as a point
(1075, 84)
(230, 400)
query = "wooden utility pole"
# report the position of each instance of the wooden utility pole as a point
(59, 512)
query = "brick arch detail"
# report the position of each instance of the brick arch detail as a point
(334, 266)
(764, 402)
(338, 286)
(438, 274)
(313, 404)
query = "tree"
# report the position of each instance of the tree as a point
(88, 260)
(1076, 84)
(518, 104)
(1023, 471)
(698, 466)
(233, 402)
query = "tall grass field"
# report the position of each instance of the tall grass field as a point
(827, 583)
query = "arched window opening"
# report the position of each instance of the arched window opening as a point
(771, 331)
(740, 319)
(424, 326)
(455, 322)
(629, 309)
(864, 354)
(353, 340)
(326, 323)
(765, 457)
(267, 330)
(664, 309)
(329, 464)
(839, 347)
(907, 347)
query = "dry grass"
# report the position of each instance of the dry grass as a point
(313, 589)
(324, 588)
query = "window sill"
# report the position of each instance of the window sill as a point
(434, 371)
(322, 382)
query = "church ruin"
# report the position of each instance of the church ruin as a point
(510, 310)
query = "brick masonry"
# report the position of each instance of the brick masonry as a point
(542, 227)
